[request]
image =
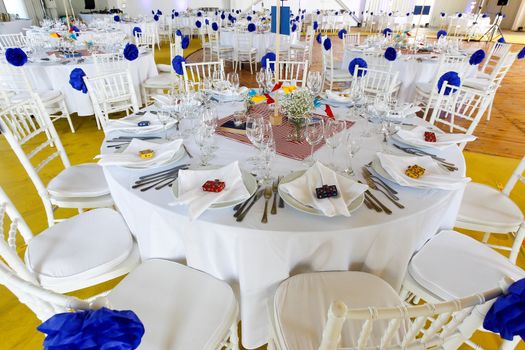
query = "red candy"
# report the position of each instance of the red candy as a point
(213, 186)
(430, 136)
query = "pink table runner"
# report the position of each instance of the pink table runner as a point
(284, 146)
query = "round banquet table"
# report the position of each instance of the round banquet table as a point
(254, 257)
(55, 76)
(411, 70)
(15, 27)
(97, 36)
(261, 41)
(88, 18)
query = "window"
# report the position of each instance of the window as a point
(17, 7)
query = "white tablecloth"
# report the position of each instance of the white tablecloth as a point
(87, 18)
(56, 76)
(254, 257)
(261, 41)
(14, 27)
(96, 36)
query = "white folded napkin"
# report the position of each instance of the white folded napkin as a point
(336, 97)
(435, 176)
(404, 111)
(191, 193)
(303, 190)
(164, 153)
(416, 137)
(130, 124)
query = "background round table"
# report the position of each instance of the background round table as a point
(254, 257)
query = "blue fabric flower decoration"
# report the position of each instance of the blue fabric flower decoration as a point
(207, 21)
(223, 16)
(302, 17)
(319, 38)
(156, 18)
(178, 33)
(452, 78)
(251, 27)
(501, 40)
(318, 12)
(75, 29)
(116, 18)
(249, 18)
(176, 14)
(185, 42)
(485, 15)
(316, 25)
(460, 15)
(76, 81)
(215, 26)
(198, 24)
(387, 31)
(131, 52)
(159, 12)
(93, 329)
(390, 14)
(390, 54)
(408, 14)
(507, 314)
(16, 56)
(136, 30)
(327, 44)
(477, 57)
(443, 14)
(357, 62)
(176, 63)
(441, 33)
(152, 12)
(297, 18)
(271, 57)
(521, 54)
(341, 34)
(263, 19)
(199, 14)
(294, 27)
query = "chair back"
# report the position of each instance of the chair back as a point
(176, 48)
(111, 93)
(32, 136)
(502, 68)
(13, 81)
(497, 52)
(109, 62)
(448, 63)
(290, 72)
(460, 111)
(377, 81)
(517, 175)
(243, 41)
(194, 73)
(12, 40)
(443, 325)
(351, 39)
(148, 37)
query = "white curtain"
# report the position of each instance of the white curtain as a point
(386, 6)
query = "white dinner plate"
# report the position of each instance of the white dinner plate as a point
(294, 203)
(176, 157)
(378, 168)
(403, 142)
(249, 181)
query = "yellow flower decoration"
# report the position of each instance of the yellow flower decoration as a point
(258, 98)
(288, 89)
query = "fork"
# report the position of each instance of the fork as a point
(267, 196)
(275, 187)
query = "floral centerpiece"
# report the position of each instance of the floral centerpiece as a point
(401, 40)
(296, 105)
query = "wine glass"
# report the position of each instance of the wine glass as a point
(163, 115)
(332, 133)
(314, 82)
(353, 145)
(233, 79)
(267, 153)
(201, 139)
(313, 134)
(260, 77)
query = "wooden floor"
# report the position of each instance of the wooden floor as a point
(503, 135)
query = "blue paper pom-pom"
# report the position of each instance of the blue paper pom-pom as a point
(207, 21)
(390, 54)
(316, 25)
(249, 18)
(251, 27)
(185, 42)
(178, 33)
(270, 56)
(176, 14)
(341, 34)
(199, 14)
(76, 81)
(136, 30)
(387, 31)
(460, 15)
(215, 26)
(357, 62)
(159, 12)
(327, 44)
(441, 33)
(318, 12)
(176, 63)
(319, 38)
(198, 24)
(501, 40)
(452, 78)
(16, 56)
(131, 52)
(156, 18)
(116, 18)
(75, 29)
(442, 14)
(477, 57)
(521, 54)
(93, 329)
(294, 27)
(223, 16)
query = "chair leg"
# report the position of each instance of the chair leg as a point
(489, 112)
(50, 212)
(66, 115)
(486, 237)
(518, 242)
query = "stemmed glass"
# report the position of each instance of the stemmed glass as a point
(254, 131)
(313, 134)
(353, 145)
(314, 82)
(333, 135)
(163, 115)
(233, 79)
(267, 151)
(201, 136)
(260, 78)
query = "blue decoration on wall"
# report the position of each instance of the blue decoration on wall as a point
(285, 20)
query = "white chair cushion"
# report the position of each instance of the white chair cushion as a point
(453, 265)
(424, 87)
(83, 180)
(161, 80)
(485, 205)
(181, 308)
(298, 45)
(338, 74)
(477, 83)
(301, 305)
(164, 68)
(45, 95)
(482, 75)
(85, 246)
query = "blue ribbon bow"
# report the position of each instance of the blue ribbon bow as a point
(76, 81)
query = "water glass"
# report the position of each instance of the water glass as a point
(333, 133)
(313, 133)
(353, 145)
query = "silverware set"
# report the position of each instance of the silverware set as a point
(267, 192)
(379, 185)
(120, 141)
(159, 179)
(417, 152)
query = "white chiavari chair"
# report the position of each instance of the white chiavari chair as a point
(356, 310)
(378, 81)
(427, 93)
(147, 38)
(77, 253)
(15, 87)
(332, 73)
(284, 47)
(461, 110)
(219, 51)
(32, 136)
(351, 40)
(109, 62)
(485, 209)
(205, 43)
(452, 265)
(244, 51)
(195, 73)
(290, 72)
(497, 52)
(157, 292)
(111, 93)
(302, 50)
(12, 40)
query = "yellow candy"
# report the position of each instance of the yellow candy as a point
(288, 89)
(258, 98)
(147, 153)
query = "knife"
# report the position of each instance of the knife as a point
(255, 199)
